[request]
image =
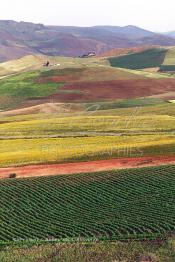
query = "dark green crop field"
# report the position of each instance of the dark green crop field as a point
(147, 59)
(167, 68)
(115, 205)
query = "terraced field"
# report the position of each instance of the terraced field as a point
(115, 205)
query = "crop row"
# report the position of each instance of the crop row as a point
(136, 203)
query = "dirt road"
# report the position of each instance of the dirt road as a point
(83, 167)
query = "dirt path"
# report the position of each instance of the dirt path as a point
(83, 167)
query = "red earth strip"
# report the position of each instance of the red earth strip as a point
(83, 167)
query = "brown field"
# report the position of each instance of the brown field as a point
(44, 108)
(83, 167)
(88, 74)
(110, 90)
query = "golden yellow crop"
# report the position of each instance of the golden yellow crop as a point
(55, 150)
(85, 124)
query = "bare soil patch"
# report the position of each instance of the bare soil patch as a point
(85, 167)
(116, 89)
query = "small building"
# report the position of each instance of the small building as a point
(90, 54)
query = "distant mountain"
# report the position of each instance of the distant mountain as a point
(130, 31)
(21, 38)
(157, 39)
(170, 34)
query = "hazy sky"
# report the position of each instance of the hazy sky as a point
(156, 15)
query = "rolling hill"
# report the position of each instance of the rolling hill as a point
(74, 82)
(18, 39)
(26, 83)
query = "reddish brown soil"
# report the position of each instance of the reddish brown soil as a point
(116, 89)
(83, 167)
(108, 91)
(58, 79)
(125, 51)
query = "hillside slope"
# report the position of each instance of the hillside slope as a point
(21, 38)
(74, 80)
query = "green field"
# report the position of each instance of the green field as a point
(126, 103)
(115, 205)
(146, 59)
(25, 86)
(16, 89)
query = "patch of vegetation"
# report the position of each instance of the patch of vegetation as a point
(113, 205)
(63, 72)
(146, 59)
(159, 251)
(25, 86)
(169, 58)
(145, 73)
(123, 104)
(159, 109)
(167, 68)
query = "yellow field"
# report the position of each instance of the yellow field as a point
(87, 125)
(170, 56)
(77, 136)
(29, 151)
